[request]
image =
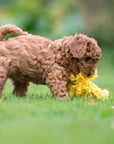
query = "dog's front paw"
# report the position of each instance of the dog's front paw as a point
(61, 97)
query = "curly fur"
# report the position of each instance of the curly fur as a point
(34, 58)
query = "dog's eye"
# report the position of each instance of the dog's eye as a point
(72, 58)
(87, 59)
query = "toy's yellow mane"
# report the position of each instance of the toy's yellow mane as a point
(80, 86)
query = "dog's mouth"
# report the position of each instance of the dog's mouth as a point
(84, 73)
(76, 72)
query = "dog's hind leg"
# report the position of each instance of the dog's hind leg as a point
(3, 78)
(20, 89)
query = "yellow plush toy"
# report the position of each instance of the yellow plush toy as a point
(80, 86)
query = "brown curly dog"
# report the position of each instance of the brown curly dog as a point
(30, 58)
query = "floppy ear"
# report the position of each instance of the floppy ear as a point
(78, 46)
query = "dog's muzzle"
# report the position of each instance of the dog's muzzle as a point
(89, 74)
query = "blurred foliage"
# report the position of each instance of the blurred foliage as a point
(57, 18)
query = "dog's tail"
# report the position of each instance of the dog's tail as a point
(10, 29)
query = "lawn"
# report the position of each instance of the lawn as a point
(41, 119)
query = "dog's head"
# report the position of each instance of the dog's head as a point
(85, 54)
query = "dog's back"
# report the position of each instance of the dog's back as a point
(25, 57)
(29, 57)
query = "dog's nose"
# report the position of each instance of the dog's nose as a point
(89, 74)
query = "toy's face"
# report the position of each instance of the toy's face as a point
(85, 55)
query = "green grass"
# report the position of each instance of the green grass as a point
(40, 119)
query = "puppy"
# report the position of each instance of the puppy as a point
(30, 58)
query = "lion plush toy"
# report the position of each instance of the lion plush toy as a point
(80, 86)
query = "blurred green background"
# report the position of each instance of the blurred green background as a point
(56, 18)
(39, 118)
